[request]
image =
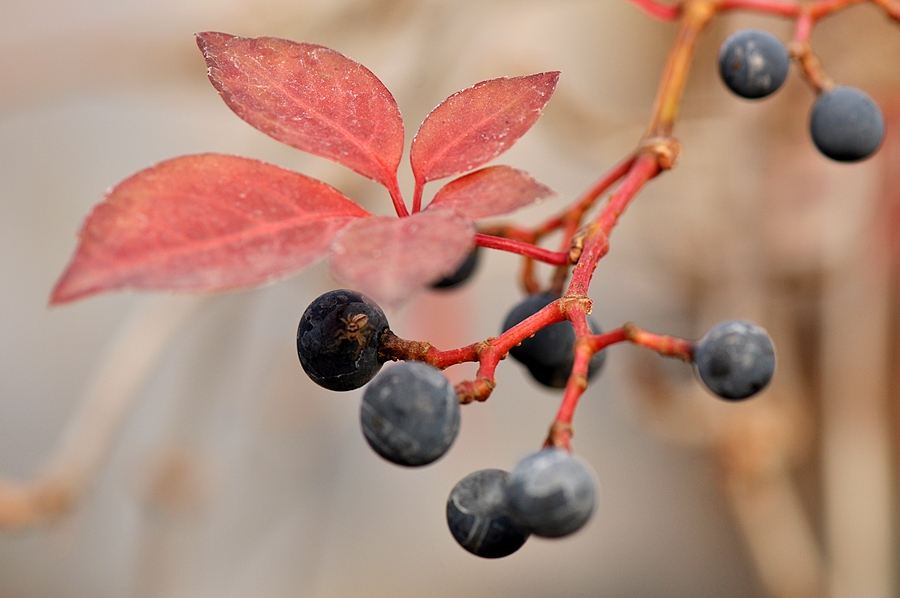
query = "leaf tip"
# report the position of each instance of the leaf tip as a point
(63, 291)
(552, 79)
(207, 41)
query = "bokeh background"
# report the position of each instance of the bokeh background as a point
(168, 446)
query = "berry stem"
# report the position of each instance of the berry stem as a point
(596, 243)
(554, 258)
(694, 16)
(663, 12)
(669, 346)
(774, 7)
(586, 346)
(571, 219)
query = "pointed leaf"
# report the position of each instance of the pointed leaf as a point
(477, 124)
(204, 223)
(390, 258)
(491, 191)
(309, 97)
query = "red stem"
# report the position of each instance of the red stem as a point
(397, 198)
(417, 196)
(554, 258)
(587, 199)
(803, 27)
(585, 347)
(597, 242)
(774, 7)
(664, 12)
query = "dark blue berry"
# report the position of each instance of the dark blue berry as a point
(462, 274)
(478, 517)
(846, 124)
(735, 359)
(410, 414)
(551, 493)
(550, 354)
(337, 339)
(753, 63)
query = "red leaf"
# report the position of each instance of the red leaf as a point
(309, 97)
(390, 258)
(208, 222)
(477, 124)
(491, 191)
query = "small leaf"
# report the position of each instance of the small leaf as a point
(390, 258)
(491, 191)
(309, 97)
(477, 124)
(207, 222)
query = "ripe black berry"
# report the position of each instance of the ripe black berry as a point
(410, 414)
(846, 124)
(550, 354)
(462, 274)
(753, 63)
(337, 340)
(478, 517)
(735, 359)
(551, 493)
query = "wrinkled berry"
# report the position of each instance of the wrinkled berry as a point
(337, 339)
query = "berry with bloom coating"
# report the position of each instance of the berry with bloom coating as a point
(753, 63)
(846, 124)
(410, 414)
(735, 359)
(551, 493)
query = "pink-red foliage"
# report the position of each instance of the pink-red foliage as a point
(475, 125)
(491, 191)
(211, 222)
(204, 223)
(309, 97)
(386, 257)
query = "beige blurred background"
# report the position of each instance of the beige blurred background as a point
(228, 473)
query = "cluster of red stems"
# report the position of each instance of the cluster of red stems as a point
(214, 222)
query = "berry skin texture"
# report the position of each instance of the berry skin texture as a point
(753, 63)
(550, 354)
(338, 337)
(735, 359)
(846, 124)
(478, 517)
(410, 414)
(462, 275)
(551, 493)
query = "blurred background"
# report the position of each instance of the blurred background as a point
(168, 446)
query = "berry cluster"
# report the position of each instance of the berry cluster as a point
(410, 413)
(266, 222)
(845, 124)
(550, 493)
